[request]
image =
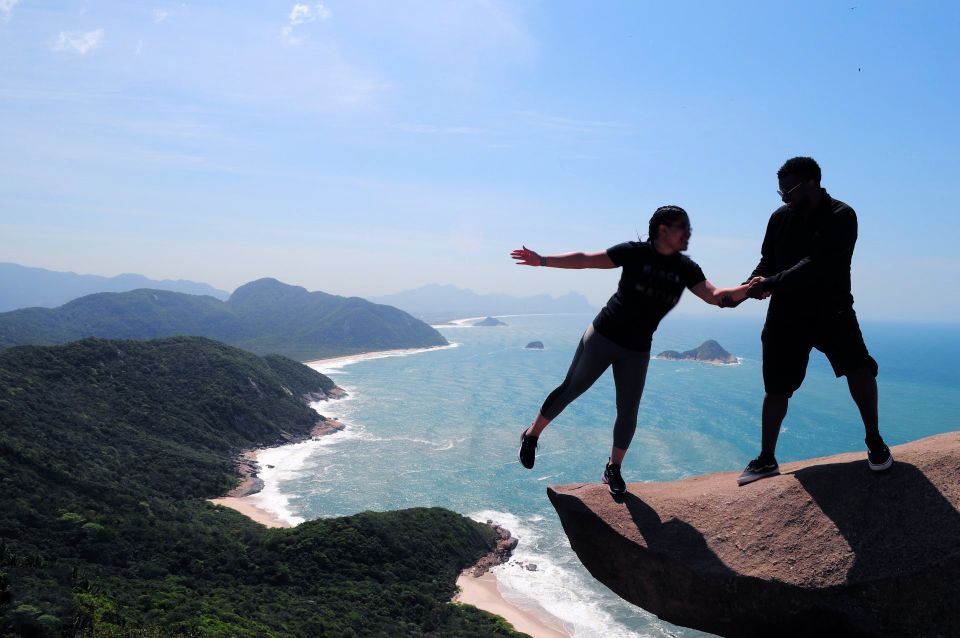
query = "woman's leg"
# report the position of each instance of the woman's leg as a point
(629, 377)
(594, 355)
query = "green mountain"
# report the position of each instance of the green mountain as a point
(108, 452)
(262, 316)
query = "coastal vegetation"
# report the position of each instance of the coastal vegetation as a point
(263, 316)
(108, 452)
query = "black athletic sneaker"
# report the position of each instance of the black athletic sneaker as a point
(758, 468)
(613, 480)
(879, 457)
(528, 450)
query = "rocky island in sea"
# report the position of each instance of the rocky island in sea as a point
(535, 345)
(490, 321)
(708, 352)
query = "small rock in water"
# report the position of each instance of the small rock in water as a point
(535, 345)
(490, 321)
(531, 567)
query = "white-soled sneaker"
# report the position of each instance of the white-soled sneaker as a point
(758, 468)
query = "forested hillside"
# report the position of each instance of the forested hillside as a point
(108, 450)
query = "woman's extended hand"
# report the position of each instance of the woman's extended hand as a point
(526, 257)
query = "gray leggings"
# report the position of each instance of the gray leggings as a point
(594, 355)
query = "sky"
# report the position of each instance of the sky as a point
(366, 147)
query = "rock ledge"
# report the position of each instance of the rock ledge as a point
(827, 547)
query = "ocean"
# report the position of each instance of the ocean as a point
(441, 428)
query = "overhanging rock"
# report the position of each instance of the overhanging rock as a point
(828, 546)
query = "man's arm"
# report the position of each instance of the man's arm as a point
(765, 267)
(831, 253)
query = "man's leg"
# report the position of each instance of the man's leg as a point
(843, 344)
(771, 418)
(786, 351)
(863, 389)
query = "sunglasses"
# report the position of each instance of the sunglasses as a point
(786, 193)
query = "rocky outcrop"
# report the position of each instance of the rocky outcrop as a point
(490, 321)
(336, 392)
(326, 425)
(535, 345)
(500, 554)
(707, 352)
(826, 547)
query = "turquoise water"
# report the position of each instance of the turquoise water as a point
(441, 428)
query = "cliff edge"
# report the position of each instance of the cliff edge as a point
(827, 546)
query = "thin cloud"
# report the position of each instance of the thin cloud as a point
(554, 122)
(430, 129)
(6, 9)
(78, 42)
(303, 14)
(160, 15)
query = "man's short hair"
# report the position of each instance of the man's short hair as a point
(806, 168)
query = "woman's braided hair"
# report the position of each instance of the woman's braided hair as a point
(664, 215)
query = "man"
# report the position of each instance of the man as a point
(805, 270)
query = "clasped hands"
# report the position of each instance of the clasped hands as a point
(755, 288)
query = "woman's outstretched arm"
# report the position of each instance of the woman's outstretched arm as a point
(527, 257)
(723, 297)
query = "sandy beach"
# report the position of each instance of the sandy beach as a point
(479, 591)
(482, 592)
(249, 508)
(364, 356)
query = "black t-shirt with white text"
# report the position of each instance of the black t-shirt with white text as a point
(650, 286)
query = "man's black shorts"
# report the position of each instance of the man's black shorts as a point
(787, 342)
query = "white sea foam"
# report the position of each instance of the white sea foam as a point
(280, 464)
(290, 462)
(334, 365)
(554, 591)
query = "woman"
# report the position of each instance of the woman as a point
(653, 278)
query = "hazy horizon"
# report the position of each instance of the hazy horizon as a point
(365, 148)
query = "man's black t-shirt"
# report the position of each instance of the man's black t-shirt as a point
(806, 258)
(650, 286)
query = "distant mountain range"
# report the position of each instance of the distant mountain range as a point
(437, 303)
(263, 316)
(26, 287)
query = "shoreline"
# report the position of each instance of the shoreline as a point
(249, 508)
(709, 362)
(244, 497)
(480, 591)
(483, 593)
(366, 356)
